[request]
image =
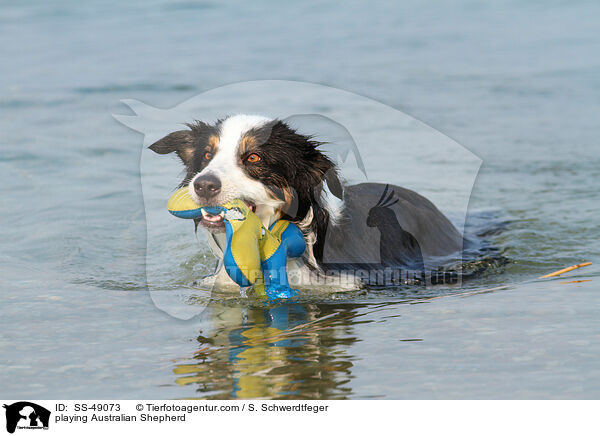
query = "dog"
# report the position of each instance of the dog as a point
(283, 174)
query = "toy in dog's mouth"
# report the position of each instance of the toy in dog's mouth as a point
(213, 218)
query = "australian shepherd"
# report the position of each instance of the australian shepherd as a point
(282, 174)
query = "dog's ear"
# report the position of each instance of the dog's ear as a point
(180, 142)
(334, 184)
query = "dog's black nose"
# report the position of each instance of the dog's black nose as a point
(207, 186)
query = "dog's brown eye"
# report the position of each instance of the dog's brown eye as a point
(253, 158)
(208, 155)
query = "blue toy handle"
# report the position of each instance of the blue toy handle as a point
(275, 267)
(293, 239)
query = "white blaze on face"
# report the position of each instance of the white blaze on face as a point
(226, 165)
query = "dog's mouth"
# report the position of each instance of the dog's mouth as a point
(216, 222)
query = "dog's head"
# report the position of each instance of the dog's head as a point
(278, 172)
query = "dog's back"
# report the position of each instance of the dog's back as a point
(387, 226)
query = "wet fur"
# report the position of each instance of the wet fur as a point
(290, 179)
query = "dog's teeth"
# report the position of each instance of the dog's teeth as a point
(212, 218)
(222, 214)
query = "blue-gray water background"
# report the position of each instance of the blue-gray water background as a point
(515, 82)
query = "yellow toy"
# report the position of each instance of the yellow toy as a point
(253, 254)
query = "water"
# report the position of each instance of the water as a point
(516, 83)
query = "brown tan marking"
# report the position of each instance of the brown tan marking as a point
(248, 142)
(186, 153)
(213, 143)
(288, 198)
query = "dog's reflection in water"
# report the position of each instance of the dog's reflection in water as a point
(290, 351)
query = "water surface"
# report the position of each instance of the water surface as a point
(516, 83)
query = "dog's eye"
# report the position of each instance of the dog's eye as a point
(253, 158)
(208, 155)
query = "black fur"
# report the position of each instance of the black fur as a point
(412, 231)
(189, 145)
(397, 247)
(291, 163)
(291, 166)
